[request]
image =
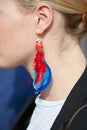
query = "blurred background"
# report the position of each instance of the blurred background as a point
(15, 89)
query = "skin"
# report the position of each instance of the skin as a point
(20, 29)
(15, 28)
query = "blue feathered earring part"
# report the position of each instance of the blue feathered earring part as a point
(42, 71)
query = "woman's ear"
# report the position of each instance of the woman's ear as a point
(43, 18)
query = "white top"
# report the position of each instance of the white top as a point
(44, 114)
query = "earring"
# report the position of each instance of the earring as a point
(42, 72)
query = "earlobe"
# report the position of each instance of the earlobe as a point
(43, 18)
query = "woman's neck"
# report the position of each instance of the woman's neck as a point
(66, 67)
(67, 63)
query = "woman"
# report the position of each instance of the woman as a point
(44, 36)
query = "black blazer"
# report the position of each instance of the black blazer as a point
(76, 99)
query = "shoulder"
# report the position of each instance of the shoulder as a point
(79, 119)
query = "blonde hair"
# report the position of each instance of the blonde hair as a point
(73, 11)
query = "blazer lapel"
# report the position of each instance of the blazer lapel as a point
(72, 103)
(24, 117)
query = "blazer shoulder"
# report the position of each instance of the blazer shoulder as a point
(78, 120)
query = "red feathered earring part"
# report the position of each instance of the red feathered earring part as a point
(40, 66)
